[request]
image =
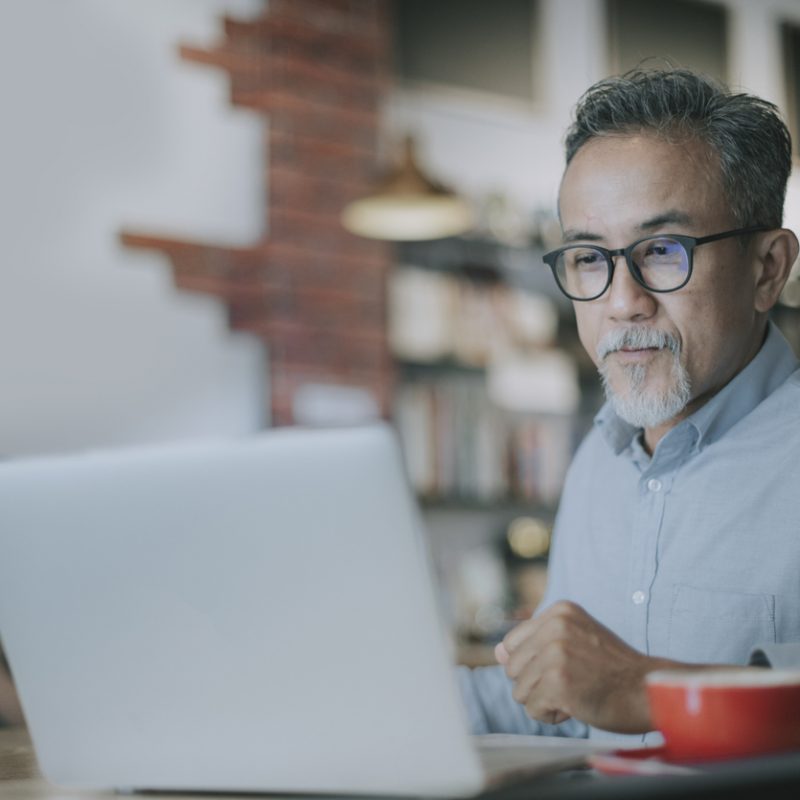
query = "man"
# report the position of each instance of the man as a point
(677, 541)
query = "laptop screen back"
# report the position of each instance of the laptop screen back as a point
(249, 615)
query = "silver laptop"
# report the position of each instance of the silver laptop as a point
(254, 615)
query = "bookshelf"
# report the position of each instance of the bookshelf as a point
(492, 394)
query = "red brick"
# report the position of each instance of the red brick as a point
(359, 39)
(269, 99)
(302, 224)
(321, 157)
(290, 187)
(314, 293)
(303, 254)
(349, 350)
(252, 305)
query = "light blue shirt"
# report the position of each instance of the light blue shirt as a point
(692, 554)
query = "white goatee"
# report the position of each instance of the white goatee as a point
(639, 405)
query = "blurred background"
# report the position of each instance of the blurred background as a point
(223, 215)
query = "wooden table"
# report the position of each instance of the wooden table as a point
(18, 769)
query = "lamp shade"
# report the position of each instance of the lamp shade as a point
(408, 206)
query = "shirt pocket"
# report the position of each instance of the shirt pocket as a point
(718, 627)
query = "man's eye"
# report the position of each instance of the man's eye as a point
(588, 258)
(662, 248)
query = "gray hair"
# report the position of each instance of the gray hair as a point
(747, 134)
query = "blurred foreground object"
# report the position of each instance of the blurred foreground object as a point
(10, 709)
(408, 206)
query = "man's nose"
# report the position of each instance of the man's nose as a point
(627, 298)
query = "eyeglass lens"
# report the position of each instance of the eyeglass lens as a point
(661, 263)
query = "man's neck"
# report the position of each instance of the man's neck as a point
(652, 436)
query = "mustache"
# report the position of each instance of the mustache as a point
(637, 338)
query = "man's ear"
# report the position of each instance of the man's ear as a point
(776, 253)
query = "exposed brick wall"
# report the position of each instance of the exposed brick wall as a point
(318, 70)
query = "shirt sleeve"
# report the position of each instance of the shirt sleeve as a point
(785, 655)
(491, 708)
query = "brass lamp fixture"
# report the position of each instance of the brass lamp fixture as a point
(408, 206)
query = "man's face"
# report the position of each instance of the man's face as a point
(661, 355)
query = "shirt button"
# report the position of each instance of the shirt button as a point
(638, 598)
(654, 485)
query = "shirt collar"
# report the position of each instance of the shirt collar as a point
(772, 365)
(618, 433)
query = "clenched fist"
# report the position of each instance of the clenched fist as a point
(564, 663)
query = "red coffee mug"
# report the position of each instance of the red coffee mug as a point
(710, 715)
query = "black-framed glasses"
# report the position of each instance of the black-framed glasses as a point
(658, 263)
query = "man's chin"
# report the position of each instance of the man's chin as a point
(649, 407)
(641, 395)
(624, 383)
(645, 390)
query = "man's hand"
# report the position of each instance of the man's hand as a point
(564, 663)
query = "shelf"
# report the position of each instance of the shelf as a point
(462, 442)
(433, 369)
(513, 505)
(518, 267)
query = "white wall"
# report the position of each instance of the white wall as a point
(104, 128)
(480, 146)
(756, 66)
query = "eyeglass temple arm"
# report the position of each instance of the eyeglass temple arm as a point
(727, 234)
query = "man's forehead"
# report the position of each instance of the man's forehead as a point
(634, 153)
(642, 180)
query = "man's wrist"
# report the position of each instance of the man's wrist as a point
(641, 714)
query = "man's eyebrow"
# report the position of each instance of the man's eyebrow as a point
(574, 235)
(671, 217)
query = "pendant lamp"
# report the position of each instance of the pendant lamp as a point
(408, 206)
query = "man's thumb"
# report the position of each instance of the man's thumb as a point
(501, 654)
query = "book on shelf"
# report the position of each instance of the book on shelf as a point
(458, 445)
